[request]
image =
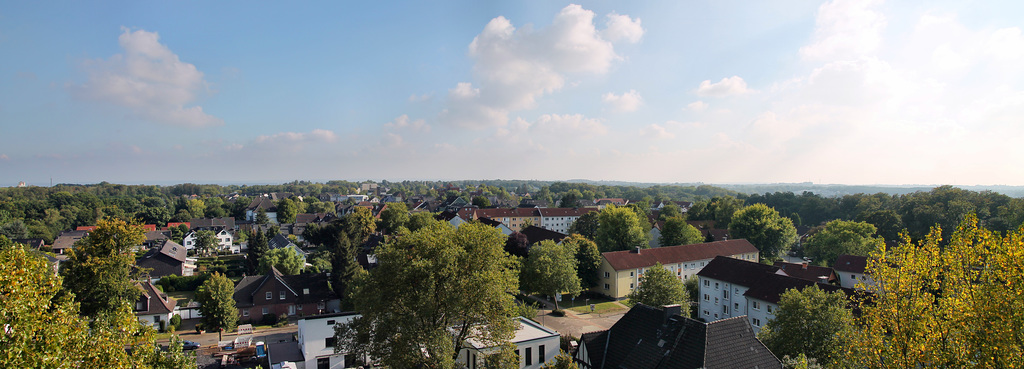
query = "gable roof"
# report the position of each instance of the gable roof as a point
(736, 271)
(536, 234)
(67, 239)
(225, 222)
(630, 259)
(264, 203)
(851, 263)
(771, 287)
(646, 337)
(158, 302)
(318, 285)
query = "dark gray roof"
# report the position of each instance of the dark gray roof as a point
(210, 223)
(319, 289)
(537, 234)
(167, 258)
(644, 338)
(736, 271)
(772, 286)
(67, 239)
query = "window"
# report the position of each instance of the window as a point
(716, 300)
(282, 295)
(245, 312)
(330, 322)
(299, 307)
(706, 313)
(606, 286)
(756, 305)
(769, 308)
(707, 282)
(324, 363)
(529, 356)
(630, 274)
(266, 311)
(329, 341)
(756, 322)
(320, 305)
(270, 295)
(725, 294)
(305, 291)
(716, 285)
(725, 309)
(607, 275)
(706, 298)
(540, 354)
(630, 286)
(853, 277)
(736, 307)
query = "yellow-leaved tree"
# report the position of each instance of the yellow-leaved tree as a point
(956, 304)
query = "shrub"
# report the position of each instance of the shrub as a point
(173, 283)
(163, 326)
(268, 319)
(558, 312)
(282, 321)
(176, 321)
(565, 340)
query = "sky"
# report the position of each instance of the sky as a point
(841, 92)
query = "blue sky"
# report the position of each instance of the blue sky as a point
(853, 92)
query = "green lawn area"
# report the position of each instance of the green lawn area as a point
(600, 308)
(183, 297)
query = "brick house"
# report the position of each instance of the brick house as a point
(277, 294)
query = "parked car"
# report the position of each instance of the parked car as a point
(189, 345)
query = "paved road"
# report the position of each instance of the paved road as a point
(576, 324)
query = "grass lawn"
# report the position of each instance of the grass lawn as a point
(600, 308)
(183, 297)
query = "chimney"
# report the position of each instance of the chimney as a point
(803, 265)
(671, 310)
(636, 250)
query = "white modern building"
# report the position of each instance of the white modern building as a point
(316, 342)
(535, 345)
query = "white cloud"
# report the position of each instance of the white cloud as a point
(626, 102)
(568, 125)
(149, 79)
(403, 123)
(421, 98)
(657, 131)
(621, 27)
(314, 136)
(846, 29)
(697, 106)
(515, 67)
(727, 86)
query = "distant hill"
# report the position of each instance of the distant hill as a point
(826, 190)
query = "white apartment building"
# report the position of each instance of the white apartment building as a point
(535, 345)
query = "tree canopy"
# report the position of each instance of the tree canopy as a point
(771, 233)
(677, 232)
(394, 217)
(585, 225)
(285, 259)
(588, 259)
(101, 267)
(658, 287)
(217, 303)
(550, 269)
(619, 228)
(812, 322)
(432, 290)
(841, 237)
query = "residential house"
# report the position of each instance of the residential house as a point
(277, 294)
(166, 258)
(212, 224)
(560, 219)
(505, 230)
(850, 269)
(451, 217)
(730, 288)
(32, 243)
(620, 271)
(647, 337)
(316, 342)
(268, 205)
(66, 240)
(535, 346)
(280, 241)
(225, 239)
(722, 285)
(153, 306)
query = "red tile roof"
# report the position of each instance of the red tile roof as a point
(621, 260)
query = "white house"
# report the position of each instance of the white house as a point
(224, 240)
(850, 270)
(153, 306)
(535, 345)
(316, 341)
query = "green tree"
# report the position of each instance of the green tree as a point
(586, 225)
(178, 233)
(677, 232)
(420, 220)
(217, 304)
(481, 201)
(570, 199)
(258, 246)
(175, 357)
(286, 211)
(262, 217)
(562, 361)
(841, 237)
(285, 259)
(432, 290)
(322, 207)
(359, 225)
(101, 267)
(394, 217)
(196, 208)
(588, 259)
(771, 233)
(888, 223)
(206, 242)
(344, 266)
(550, 269)
(670, 211)
(618, 229)
(940, 304)
(811, 322)
(658, 287)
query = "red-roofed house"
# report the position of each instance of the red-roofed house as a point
(621, 270)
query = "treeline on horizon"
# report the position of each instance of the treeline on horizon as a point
(43, 212)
